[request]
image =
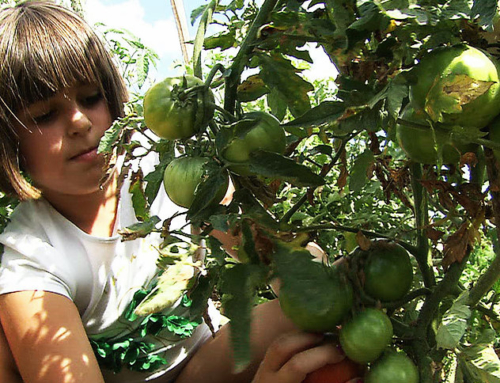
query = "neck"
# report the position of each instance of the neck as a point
(94, 213)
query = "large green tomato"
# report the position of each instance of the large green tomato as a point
(181, 178)
(388, 271)
(173, 117)
(422, 144)
(256, 131)
(458, 85)
(365, 337)
(393, 367)
(318, 305)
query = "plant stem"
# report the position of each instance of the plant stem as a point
(492, 274)
(206, 18)
(243, 54)
(422, 254)
(216, 68)
(367, 233)
(323, 173)
(427, 314)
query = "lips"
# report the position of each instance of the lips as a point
(85, 155)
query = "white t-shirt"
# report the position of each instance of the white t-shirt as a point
(45, 251)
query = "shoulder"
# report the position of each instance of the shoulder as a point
(29, 260)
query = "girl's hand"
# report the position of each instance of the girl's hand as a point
(294, 355)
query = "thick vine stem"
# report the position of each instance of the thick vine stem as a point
(427, 315)
(492, 274)
(242, 56)
(422, 254)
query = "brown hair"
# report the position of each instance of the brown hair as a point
(44, 48)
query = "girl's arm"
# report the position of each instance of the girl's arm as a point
(47, 338)
(288, 354)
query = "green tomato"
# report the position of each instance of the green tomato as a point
(458, 85)
(181, 178)
(388, 271)
(422, 144)
(173, 117)
(318, 305)
(256, 131)
(365, 337)
(393, 367)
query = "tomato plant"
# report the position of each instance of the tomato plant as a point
(349, 174)
(366, 335)
(256, 131)
(340, 372)
(393, 367)
(173, 112)
(183, 176)
(388, 272)
(457, 85)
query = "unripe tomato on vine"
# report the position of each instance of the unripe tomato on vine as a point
(255, 131)
(457, 85)
(182, 177)
(173, 111)
(365, 337)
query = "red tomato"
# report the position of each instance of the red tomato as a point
(336, 373)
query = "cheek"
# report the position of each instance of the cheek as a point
(38, 153)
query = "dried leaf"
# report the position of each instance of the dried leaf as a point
(434, 234)
(363, 241)
(459, 244)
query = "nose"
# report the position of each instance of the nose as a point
(78, 121)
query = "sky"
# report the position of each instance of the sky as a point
(153, 22)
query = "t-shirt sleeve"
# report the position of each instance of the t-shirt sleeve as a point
(29, 263)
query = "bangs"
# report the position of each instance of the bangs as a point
(53, 58)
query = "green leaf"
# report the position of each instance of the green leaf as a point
(326, 113)
(140, 229)
(359, 176)
(453, 325)
(142, 68)
(202, 293)
(276, 166)
(222, 40)
(154, 182)
(197, 12)
(251, 89)
(139, 201)
(207, 191)
(239, 284)
(480, 363)
(110, 137)
(487, 11)
(278, 72)
(277, 104)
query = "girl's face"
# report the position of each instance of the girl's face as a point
(59, 137)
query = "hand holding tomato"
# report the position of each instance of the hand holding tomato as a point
(295, 355)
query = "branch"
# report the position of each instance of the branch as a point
(428, 313)
(243, 54)
(421, 219)
(370, 234)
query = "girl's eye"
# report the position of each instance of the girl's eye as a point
(44, 117)
(92, 99)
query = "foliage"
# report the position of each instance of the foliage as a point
(360, 183)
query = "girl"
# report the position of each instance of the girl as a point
(66, 278)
